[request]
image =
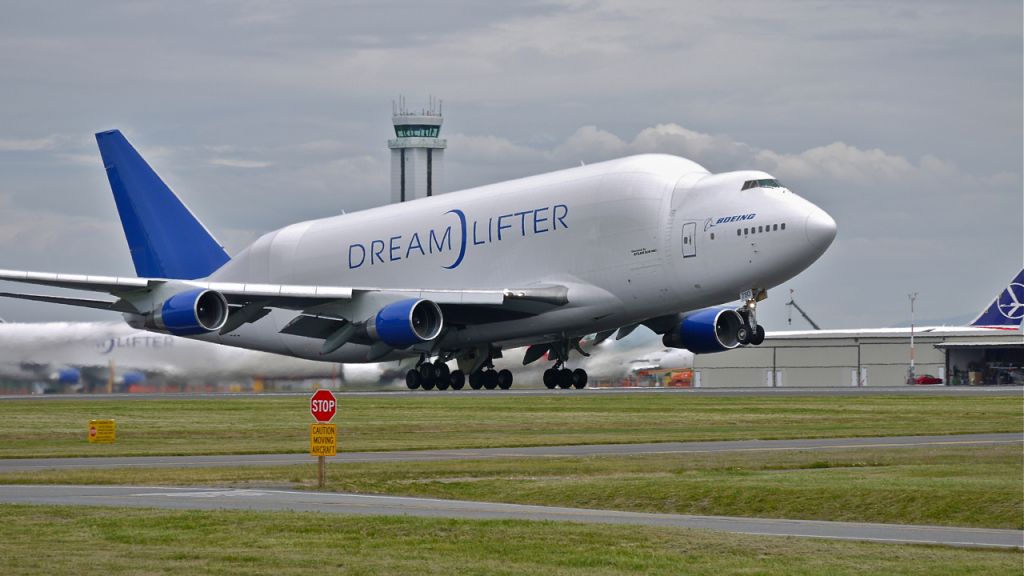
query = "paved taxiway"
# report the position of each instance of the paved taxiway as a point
(276, 500)
(31, 464)
(1017, 391)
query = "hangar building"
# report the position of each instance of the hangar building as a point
(873, 357)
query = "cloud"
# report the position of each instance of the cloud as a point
(29, 145)
(239, 163)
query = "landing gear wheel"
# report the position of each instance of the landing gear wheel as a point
(490, 379)
(758, 336)
(412, 379)
(457, 379)
(427, 371)
(442, 375)
(550, 378)
(564, 378)
(476, 380)
(505, 379)
(427, 384)
(743, 335)
(579, 378)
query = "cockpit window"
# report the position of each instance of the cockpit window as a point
(767, 183)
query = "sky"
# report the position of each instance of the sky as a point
(903, 120)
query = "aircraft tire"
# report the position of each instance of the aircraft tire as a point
(427, 371)
(458, 379)
(427, 383)
(758, 336)
(743, 335)
(442, 383)
(476, 380)
(490, 379)
(505, 379)
(441, 371)
(579, 378)
(564, 378)
(412, 379)
(550, 378)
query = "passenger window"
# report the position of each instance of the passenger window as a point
(775, 227)
(760, 229)
(712, 235)
(783, 225)
(738, 231)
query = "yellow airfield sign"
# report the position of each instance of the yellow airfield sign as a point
(102, 431)
(323, 439)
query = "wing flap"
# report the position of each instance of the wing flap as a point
(117, 306)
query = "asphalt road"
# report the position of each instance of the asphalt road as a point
(275, 500)
(1017, 391)
(32, 464)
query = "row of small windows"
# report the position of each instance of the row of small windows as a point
(417, 131)
(758, 230)
(761, 229)
(768, 183)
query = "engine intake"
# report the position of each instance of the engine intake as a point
(192, 312)
(706, 331)
(407, 322)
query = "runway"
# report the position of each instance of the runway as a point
(34, 464)
(278, 500)
(1017, 391)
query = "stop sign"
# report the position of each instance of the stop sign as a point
(322, 405)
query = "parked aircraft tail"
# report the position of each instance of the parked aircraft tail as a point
(1007, 310)
(166, 240)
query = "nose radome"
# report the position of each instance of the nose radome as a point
(820, 229)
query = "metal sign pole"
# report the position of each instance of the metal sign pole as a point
(322, 470)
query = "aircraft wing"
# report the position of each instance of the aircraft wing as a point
(259, 297)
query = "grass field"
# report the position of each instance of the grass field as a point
(134, 541)
(957, 486)
(50, 427)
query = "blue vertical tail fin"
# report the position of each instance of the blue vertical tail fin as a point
(166, 240)
(1007, 310)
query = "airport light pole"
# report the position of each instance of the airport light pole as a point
(910, 372)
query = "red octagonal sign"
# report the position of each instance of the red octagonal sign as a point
(322, 405)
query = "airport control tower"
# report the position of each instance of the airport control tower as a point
(417, 154)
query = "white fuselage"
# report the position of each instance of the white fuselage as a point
(632, 239)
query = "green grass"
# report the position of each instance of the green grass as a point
(49, 427)
(77, 540)
(957, 486)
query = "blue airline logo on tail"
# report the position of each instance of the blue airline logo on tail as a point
(458, 237)
(1008, 308)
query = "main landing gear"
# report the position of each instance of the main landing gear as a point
(430, 375)
(560, 376)
(565, 378)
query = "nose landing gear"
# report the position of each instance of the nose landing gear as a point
(751, 332)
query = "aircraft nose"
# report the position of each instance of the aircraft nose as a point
(820, 229)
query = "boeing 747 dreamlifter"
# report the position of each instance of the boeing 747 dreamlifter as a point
(652, 240)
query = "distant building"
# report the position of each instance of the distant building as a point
(417, 154)
(869, 357)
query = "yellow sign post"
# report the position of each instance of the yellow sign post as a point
(323, 441)
(102, 431)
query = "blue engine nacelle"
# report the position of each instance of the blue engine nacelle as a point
(68, 376)
(706, 331)
(402, 324)
(191, 312)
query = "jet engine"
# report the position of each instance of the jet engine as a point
(186, 313)
(706, 331)
(407, 322)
